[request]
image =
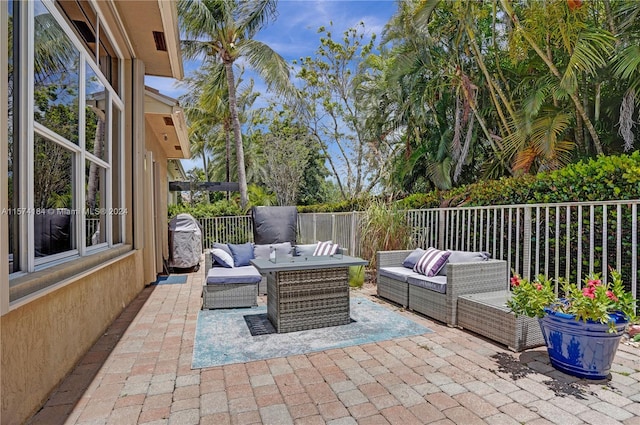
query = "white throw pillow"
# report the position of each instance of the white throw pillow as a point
(221, 257)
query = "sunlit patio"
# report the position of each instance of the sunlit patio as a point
(140, 372)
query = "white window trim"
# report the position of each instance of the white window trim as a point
(28, 128)
(4, 160)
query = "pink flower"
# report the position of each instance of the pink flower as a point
(515, 280)
(612, 296)
(539, 287)
(589, 292)
(592, 283)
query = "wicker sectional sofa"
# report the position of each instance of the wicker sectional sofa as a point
(437, 297)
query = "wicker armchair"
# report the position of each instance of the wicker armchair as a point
(461, 278)
(228, 295)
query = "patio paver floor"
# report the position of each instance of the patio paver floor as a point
(140, 372)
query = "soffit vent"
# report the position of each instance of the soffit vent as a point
(161, 43)
(168, 121)
(178, 148)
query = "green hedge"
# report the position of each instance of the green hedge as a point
(603, 178)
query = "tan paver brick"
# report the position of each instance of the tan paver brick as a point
(441, 401)
(384, 401)
(374, 420)
(426, 412)
(462, 415)
(310, 420)
(476, 404)
(553, 413)
(332, 410)
(400, 415)
(302, 410)
(597, 418)
(155, 414)
(362, 410)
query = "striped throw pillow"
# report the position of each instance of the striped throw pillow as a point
(431, 262)
(326, 248)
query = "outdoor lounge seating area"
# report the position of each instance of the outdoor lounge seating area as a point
(436, 296)
(468, 290)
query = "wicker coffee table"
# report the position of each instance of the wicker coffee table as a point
(488, 315)
(307, 292)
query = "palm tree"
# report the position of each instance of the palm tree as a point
(222, 31)
(626, 65)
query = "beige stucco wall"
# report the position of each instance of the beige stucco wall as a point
(33, 360)
(161, 183)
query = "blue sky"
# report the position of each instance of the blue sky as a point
(294, 33)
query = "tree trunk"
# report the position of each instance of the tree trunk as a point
(237, 133)
(227, 136)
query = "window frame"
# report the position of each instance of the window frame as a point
(28, 128)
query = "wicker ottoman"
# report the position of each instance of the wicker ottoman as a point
(488, 315)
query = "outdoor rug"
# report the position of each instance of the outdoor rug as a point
(170, 280)
(224, 336)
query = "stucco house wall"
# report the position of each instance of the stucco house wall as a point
(51, 314)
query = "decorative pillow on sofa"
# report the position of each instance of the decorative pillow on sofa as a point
(262, 251)
(220, 256)
(242, 253)
(465, 257)
(326, 248)
(431, 262)
(413, 258)
(222, 246)
(306, 249)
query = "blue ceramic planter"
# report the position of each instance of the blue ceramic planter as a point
(582, 349)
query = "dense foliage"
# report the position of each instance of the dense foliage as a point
(457, 103)
(597, 179)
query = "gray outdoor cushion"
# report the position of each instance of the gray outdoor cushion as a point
(262, 251)
(464, 257)
(305, 249)
(244, 274)
(274, 224)
(242, 253)
(413, 257)
(435, 283)
(396, 272)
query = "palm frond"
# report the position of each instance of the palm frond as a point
(270, 65)
(626, 65)
(589, 54)
(254, 14)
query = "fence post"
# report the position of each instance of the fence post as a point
(442, 220)
(352, 242)
(315, 225)
(333, 227)
(526, 243)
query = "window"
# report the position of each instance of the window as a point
(13, 255)
(67, 132)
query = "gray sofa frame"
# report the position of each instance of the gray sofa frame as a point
(462, 278)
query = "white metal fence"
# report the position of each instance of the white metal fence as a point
(566, 240)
